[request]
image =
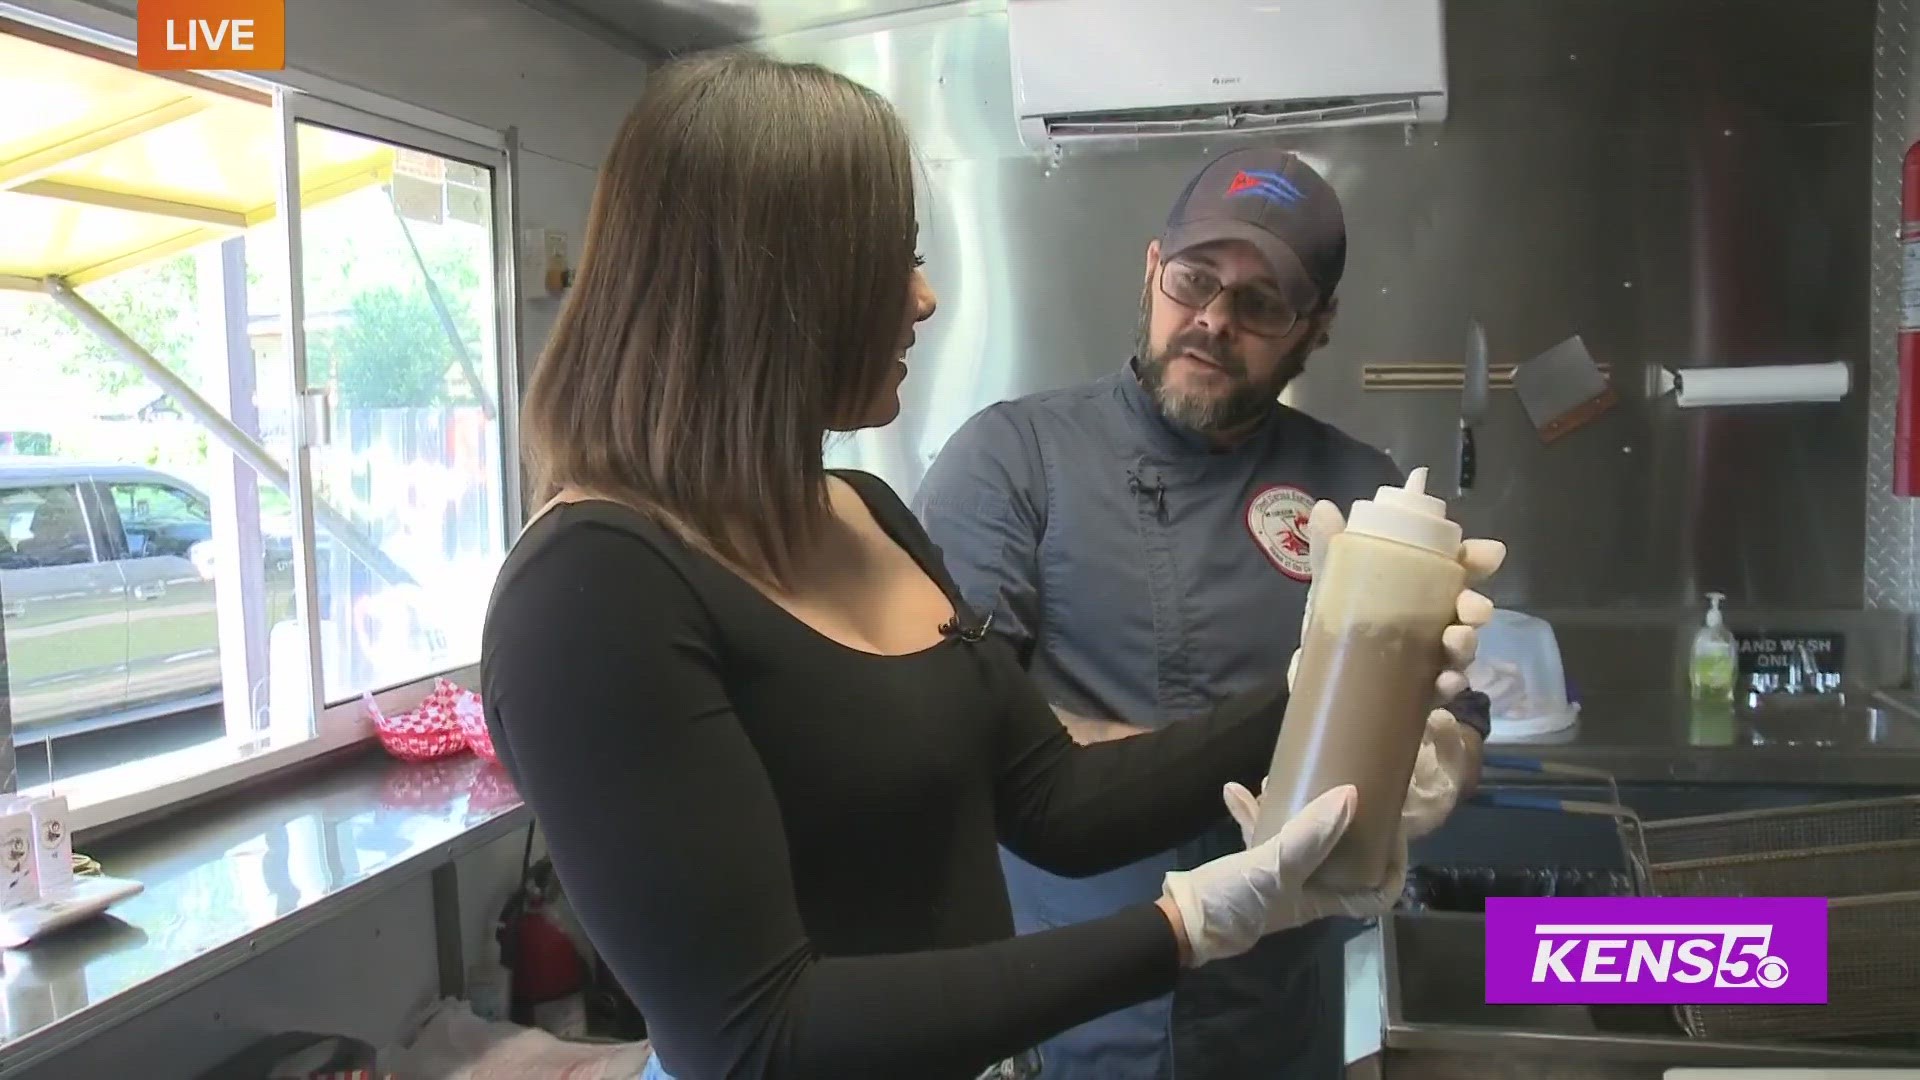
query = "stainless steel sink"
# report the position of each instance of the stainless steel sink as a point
(1816, 723)
(1433, 971)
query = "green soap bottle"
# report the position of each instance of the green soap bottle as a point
(1715, 661)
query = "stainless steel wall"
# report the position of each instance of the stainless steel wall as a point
(1678, 181)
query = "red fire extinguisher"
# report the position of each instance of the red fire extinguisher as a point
(1906, 453)
(544, 963)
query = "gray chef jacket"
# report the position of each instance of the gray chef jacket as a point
(1144, 577)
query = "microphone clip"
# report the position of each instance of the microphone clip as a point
(954, 627)
(1154, 492)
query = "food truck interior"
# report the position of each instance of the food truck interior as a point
(263, 338)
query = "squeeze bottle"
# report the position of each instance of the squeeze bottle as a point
(1371, 651)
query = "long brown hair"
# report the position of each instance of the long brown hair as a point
(742, 287)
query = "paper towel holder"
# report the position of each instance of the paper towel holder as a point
(1758, 384)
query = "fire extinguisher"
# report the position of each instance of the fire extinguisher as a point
(542, 964)
(1906, 454)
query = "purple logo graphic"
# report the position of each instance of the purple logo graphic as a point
(1656, 951)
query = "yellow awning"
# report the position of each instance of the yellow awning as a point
(104, 167)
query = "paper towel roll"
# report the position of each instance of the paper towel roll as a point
(1771, 384)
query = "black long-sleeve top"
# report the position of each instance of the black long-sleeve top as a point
(784, 848)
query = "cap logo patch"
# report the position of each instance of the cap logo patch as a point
(1266, 184)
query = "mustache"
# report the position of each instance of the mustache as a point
(1211, 346)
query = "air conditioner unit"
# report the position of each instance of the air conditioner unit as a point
(1088, 70)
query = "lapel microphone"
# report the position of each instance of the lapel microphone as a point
(954, 627)
(1154, 491)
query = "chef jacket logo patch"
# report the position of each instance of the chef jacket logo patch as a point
(1277, 520)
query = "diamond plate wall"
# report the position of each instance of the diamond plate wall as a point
(1891, 521)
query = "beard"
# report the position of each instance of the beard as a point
(1245, 400)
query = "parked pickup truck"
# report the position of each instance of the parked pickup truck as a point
(107, 594)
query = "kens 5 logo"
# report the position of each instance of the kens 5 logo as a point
(213, 35)
(1680, 951)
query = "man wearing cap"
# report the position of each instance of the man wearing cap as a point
(1143, 541)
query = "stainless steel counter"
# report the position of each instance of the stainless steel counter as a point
(1420, 978)
(234, 878)
(1415, 984)
(1656, 737)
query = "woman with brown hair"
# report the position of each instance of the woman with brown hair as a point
(771, 749)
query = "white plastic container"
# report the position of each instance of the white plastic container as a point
(1388, 587)
(19, 880)
(1518, 667)
(52, 845)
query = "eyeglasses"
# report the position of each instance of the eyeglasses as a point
(1259, 309)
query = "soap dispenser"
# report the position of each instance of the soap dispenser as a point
(1715, 662)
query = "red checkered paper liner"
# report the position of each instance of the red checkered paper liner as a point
(428, 732)
(471, 717)
(448, 720)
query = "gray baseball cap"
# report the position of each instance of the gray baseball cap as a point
(1274, 201)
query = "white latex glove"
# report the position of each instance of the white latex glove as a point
(1447, 769)
(1229, 904)
(1481, 559)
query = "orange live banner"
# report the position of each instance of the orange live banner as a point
(213, 35)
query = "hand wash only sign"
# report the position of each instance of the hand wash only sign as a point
(213, 35)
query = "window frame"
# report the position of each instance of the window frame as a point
(501, 160)
(101, 799)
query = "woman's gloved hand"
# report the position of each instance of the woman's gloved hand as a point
(1447, 769)
(1481, 559)
(1229, 904)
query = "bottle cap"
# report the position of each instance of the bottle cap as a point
(1409, 515)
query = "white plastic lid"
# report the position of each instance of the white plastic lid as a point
(1408, 515)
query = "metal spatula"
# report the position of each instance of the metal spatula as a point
(1563, 390)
